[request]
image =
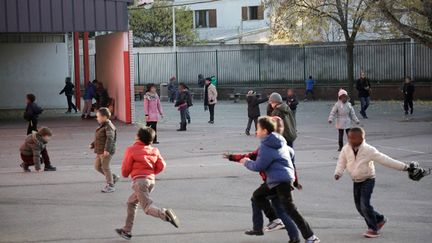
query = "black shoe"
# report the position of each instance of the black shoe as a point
(115, 178)
(50, 168)
(182, 127)
(247, 133)
(254, 232)
(25, 168)
(189, 121)
(123, 234)
(211, 122)
(339, 149)
(156, 142)
(172, 218)
(294, 241)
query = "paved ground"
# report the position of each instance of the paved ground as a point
(209, 194)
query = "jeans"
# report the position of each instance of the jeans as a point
(188, 118)
(341, 135)
(153, 125)
(183, 116)
(364, 101)
(255, 120)
(408, 105)
(309, 91)
(87, 108)
(70, 103)
(362, 196)
(211, 109)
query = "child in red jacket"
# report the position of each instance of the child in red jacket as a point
(142, 163)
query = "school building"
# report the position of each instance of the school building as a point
(41, 42)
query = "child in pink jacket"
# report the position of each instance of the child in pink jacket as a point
(152, 108)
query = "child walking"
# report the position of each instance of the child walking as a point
(408, 92)
(275, 159)
(31, 113)
(33, 151)
(358, 158)
(182, 103)
(344, 114)
(253, 109)
(142, 163)
(104, 148)
(152, 109)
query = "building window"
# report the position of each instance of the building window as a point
(205, 18)
(253, 13)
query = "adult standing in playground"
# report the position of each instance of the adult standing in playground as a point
(364, 89)
(210, 98)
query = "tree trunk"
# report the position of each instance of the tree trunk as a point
(350, 69)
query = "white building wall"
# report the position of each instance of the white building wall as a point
(38, 68)
(229, 18)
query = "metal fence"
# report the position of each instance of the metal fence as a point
(383, 63)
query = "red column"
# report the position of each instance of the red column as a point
(127, 77)
(77, 70)
(86, 58)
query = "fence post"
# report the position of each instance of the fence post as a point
(217, 66)
(259, 65)
(176, 66)
(304, 63)
(138, 68)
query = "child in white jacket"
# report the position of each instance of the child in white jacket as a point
(344, 114)
(358, 158)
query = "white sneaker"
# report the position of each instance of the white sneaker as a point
(313, 239)
(274, 225)
(108, 189)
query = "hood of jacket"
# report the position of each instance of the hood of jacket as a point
(283, 108)
(151, 96)
(274, 141)
(37, 139)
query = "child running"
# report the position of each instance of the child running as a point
(273, 210)
(33, 151)
(32, 113)
(275, 159)
(142, 163)
(152, 108)
(253, 109)
(358, 158)
(104, 148)
(344, 114)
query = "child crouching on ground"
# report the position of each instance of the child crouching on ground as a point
(358, 158)
(271, 210)
(104, 147)
(33, 148)
(344, 114)
(275, 159)
(142, 163)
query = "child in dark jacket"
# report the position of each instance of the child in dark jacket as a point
(253, 109)
(270, 210)
(183, 102)
(142, 163)
(104, 147)
(33, 148)
(32, 112)
(68, 90)
(292, 101)
(408, 92)
(275, 159)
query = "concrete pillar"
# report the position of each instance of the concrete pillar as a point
(77, 70)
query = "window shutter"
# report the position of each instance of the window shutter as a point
(212, 18)
(244, 13)
(261, 12)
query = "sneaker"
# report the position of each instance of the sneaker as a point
(50, 168)
(382, 223)
(294, 241)
(211, 122)
(67, 112)
(313, 240)
(123, 234)
(25, 168)
(371, 234)
(274, 225)
(247, 133)
(172, 218)
(254, 232)
(108, 189)
(115, 178)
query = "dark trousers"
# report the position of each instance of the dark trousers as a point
(364, 102)
(258, 221)
(32, 126)
(341, 135)
(28, 159)
(183, 116)
(153, 125)
(362, 196)
(188, 118)
(211, 110)
(71, 105)
(309, 91)
(255, 120)
(408, 105)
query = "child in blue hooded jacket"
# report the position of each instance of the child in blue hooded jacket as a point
(275, 158)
